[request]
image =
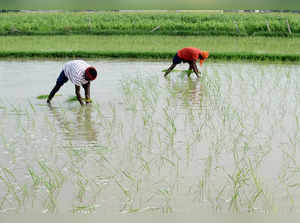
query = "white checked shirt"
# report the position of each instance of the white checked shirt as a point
(75, 70)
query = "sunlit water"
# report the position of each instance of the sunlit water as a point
(227, 142)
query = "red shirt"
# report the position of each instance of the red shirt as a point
(189, 53)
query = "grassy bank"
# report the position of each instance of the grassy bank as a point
(149, 55)
(166, 23)
(88, 46)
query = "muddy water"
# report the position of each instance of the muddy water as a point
(227, 142)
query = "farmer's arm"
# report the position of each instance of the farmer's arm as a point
(195, 68)
(86, 88)
(77, 91)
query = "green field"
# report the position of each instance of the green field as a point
(167, 23)
(142, 46)
(245, 36)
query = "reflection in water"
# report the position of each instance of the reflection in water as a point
(195, 91)
(79, 128)
(190, 91)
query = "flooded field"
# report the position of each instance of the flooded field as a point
(226, 143)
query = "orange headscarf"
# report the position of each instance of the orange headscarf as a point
(204, 55)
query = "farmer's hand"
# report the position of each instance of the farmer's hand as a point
(81, 103)
(199, 74)
(88, 100)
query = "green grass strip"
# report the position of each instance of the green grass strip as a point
(155, 44)
(150, 55)
(152, 47)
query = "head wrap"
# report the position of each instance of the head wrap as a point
(203, 55)
(89, 75)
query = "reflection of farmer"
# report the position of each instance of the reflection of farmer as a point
(191, 92)
(81, 129)
(188, 55)
(79, 73)
(86, 123)
(196, 91)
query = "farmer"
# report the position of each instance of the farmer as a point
(188, 55)
(79, 73)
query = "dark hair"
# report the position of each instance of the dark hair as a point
(91, 73)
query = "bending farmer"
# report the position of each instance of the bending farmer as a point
(188, 55)
(79, 73)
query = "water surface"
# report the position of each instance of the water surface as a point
(227, 142)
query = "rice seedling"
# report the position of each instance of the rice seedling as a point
(45, 96)
(42, 96)
(12, 188)
(74, 98)
(84, 209)
(2, 105)
(182, 71)
(71, 99)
